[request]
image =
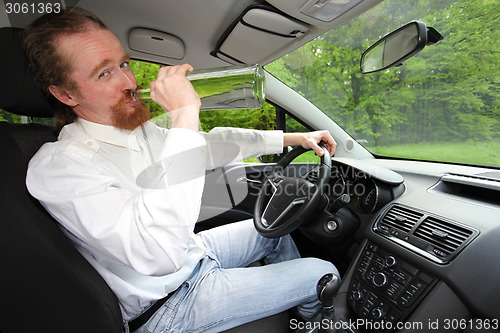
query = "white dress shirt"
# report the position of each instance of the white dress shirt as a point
(129, 199)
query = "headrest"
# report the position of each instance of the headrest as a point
(18, 92)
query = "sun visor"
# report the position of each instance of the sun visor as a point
(156, 42)
(257, 33)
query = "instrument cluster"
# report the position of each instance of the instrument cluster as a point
(364, 189)
(359, 186)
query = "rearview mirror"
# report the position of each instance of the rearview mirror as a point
(398, 46)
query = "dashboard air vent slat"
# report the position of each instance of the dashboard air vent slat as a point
(401, 218)
(435, 238)
(442, 235)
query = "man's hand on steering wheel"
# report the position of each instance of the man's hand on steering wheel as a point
(311, 140)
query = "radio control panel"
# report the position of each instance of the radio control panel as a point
(385, 288)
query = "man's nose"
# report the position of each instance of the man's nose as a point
(129, 81)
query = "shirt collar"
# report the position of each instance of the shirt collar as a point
(109, 134)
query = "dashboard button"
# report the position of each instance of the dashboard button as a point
(357, 296)
(380, 280)
(378, 313)
(390, 261)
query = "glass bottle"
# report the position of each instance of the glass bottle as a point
(235, 87)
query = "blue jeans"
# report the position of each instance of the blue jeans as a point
(222, 292)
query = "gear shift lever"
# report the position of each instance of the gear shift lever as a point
(327, 288)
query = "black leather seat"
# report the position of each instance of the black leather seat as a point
(45, 284)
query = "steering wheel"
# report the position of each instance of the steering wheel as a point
(285, 203)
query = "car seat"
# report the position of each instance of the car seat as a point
(45, 284)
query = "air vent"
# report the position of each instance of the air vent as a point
(431, 236)
(401, 218)
(443, 236)
(477, 180)
(483, 188)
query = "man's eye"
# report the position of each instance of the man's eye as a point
(124, 64)
(103, 74)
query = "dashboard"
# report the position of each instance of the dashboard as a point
(417, 242)
(428, 245)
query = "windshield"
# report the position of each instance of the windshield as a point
(441, 105)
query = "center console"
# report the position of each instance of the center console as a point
(385, 288)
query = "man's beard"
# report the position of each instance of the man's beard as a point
(126, 119)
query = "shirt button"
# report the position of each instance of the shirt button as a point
(90, 144)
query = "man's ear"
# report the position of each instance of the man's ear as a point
(63, 95)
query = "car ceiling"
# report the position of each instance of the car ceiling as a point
(197, 25)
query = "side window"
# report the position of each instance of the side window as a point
(7, 117)
(261, 119)
(11, 118)
(293, 125)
